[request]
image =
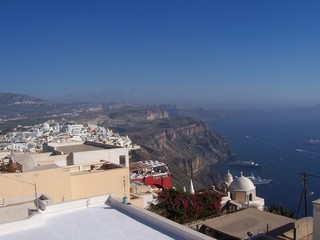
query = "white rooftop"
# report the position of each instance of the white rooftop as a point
(97, 221)
(155, 163)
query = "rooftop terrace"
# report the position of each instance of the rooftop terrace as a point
(92, 219)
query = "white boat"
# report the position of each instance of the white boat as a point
(312, 141)
(247, 164)
(258, 180)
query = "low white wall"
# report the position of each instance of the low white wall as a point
(15, 212)
(34, 221)
(66, 206)
(37, 219)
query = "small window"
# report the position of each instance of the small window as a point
(122, 160)
(250, 197)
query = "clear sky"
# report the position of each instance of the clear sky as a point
(221, 54)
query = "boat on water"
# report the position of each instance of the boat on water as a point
(312, 141)
(258, 180)
(249, 164)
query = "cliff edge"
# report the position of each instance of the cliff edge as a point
(179, 142)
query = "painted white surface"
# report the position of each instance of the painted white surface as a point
(96, 222)
(92, 219)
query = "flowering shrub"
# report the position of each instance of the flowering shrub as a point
(183, 207)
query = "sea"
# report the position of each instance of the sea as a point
(277, 141)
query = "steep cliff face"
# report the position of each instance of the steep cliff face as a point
(180, 143)
(186, 137)
(156, 114)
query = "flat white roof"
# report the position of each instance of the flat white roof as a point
(96, 222)
(95, 218)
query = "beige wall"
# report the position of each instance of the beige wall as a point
(100, 182)
(61, 185)
(240, 196)
(52, 182)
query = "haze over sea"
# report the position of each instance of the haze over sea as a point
(273, 140)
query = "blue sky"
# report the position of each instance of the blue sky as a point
(220, 54)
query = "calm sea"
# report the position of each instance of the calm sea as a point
(272, 141)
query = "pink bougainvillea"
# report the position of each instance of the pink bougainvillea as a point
(184, 207)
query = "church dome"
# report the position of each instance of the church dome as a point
(228, 178)
(241, 184)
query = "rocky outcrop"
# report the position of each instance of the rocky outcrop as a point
(181, 143)
(156, 114)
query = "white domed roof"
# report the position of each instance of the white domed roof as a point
(241, 184)
(228, 178)
(46, 126)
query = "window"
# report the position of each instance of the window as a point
(250, 197)
(122, 160)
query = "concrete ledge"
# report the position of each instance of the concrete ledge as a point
(82, 203)
(16, 212)
(32, 222)
(37, 219)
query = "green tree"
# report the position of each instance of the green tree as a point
(280, 210)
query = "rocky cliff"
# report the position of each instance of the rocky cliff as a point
(180, 143)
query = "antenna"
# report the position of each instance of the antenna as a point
(124, 186)
(304, 194)
(191, 178)
(124, 199)
(191, 169)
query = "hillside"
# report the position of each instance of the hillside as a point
(179, 142)
(15, 98)
(165, 136)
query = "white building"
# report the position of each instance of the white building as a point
(88, 153)
(226, 183)
(241, 190)
(72, 129)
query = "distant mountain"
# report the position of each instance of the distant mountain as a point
(196, 112)
(15, 98)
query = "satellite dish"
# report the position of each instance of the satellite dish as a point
(39, 204)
